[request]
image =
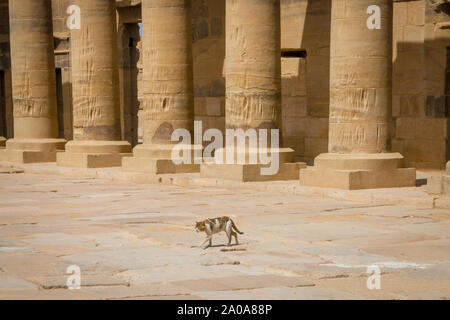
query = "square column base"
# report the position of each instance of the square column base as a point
(446, 186)
(358, 179)
(24, 150)
(157, 159)
(446, 180)
(356, 171)
(250, 172)
(27, 156)
(94, 154)
(90, 160)
(157, 166)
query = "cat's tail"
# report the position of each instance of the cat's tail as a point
(235, 228)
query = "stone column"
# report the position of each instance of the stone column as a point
(2, 106)
(2, 129)
(253, 89)
(360, 103)
(96, 94)
(33, 84)
(168, 89)
(446, 179)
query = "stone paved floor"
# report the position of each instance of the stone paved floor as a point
(137, 241)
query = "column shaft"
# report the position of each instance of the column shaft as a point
(360, 102)
(168, 69)
(168, 89)
(33, 69)
(253, 64)
(253, 96)
(33, 79)
(360, 78)
(96, 92)
(95, 73)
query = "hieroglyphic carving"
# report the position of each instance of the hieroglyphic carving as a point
(95, 78)
(33, 74)
(252, 68)
(360, 78)
(168, 92)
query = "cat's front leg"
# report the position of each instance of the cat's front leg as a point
(208, 239)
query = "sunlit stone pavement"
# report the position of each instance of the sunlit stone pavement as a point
(134, 241)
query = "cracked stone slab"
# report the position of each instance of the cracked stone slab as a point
(10, 283)
(60, 282)
(56, 294)
(279, 293)
(10, 169)
(187, 272)
(328, 243)
(157, 290)
(420, 252)
(242, 282)
(314, 270)
(9, 243)
(16, 250)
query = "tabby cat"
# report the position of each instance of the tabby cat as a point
(216, 225)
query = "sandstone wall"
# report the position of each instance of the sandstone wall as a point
(421, 118)
(61, 36)
(208, 36)
(305, 82)
(420, 107)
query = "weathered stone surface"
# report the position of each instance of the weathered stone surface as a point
(253, 66)
(12, 284)
(360, 104)
(168, 69)
(33, 75)
(96, 95)
(250, 172)
(168, 89)
(95, 75)
(137, 241)
(253, 87)
(360, 84)
(33, 85)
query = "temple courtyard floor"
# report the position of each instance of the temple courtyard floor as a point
(135, 240)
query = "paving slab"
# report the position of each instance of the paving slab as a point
(137, 241)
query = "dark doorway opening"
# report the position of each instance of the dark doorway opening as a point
(447, 85)
(447, 102)
(60, 102)
(293, 53)
(3, 132)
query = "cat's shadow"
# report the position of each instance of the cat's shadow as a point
(221, 246)
(224, 245)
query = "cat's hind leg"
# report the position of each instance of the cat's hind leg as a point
(229, 235)
(235, 236)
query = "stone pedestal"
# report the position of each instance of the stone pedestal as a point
(446, 182)
(360, 104)
(358, 171)
(248, 171)
(157, 159)
(253, 85)
(24, 150)
(94, 154)
(96, 94)
(33, 84)
(168, 90)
